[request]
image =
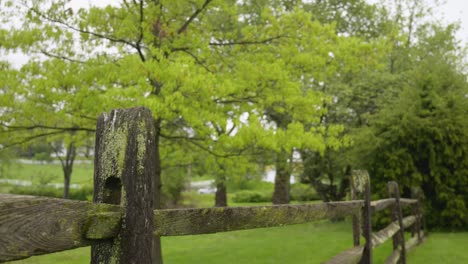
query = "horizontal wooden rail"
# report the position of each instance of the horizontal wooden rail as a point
(383, 235)
(31, 225)
(410, 244)
(211, 220)
(383, 204)
(351, 256)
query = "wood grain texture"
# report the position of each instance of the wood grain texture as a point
(31, 225)
(394, 190)
(211, 220)
(394, 257)
(367, 225)
(355, 217)
(383, 204)
(414, 241)
(123, 175)
(351, 256)
(386, 233)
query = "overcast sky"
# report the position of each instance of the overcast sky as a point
(450, 11)
(457, 10)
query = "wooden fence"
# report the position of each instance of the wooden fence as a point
(121, 225)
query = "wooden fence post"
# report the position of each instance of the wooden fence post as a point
(397, 215)
(417, 211)
(123, 174)
(361, 182)
(356, 217)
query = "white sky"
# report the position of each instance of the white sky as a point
(457, 10)
(450, 11)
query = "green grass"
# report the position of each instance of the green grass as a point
(293, 244)
(82, 173)
(442, 248)
(306, 243)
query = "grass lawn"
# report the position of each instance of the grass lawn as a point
(292, 244)
(305, 243)
(82, 173)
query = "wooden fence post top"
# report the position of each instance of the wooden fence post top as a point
(359, 179)
(392, 187)
(123, 174)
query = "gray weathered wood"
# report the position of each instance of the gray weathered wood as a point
(351, 256)
(366, 217)
(383, 204)
(404, 202)
(123, 174)
(396, 254)
(356, 217)
(416, 193)
(394, 257)
(398, 215)
(221, 219)
(31, 225)
(386, 233)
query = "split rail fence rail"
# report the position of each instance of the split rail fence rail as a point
(121, 225)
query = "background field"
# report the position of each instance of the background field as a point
(306, 243)
(82, 173)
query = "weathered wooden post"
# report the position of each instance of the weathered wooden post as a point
(361, 183)
(397, 215)
(356, 217)
(416, 211)
(123, 175)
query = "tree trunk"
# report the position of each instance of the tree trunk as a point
(221, 194)
(66, 184)
(157, 253)
(283, 174)
(67, 168)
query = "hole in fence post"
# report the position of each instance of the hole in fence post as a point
(124, 174)
(112, 191)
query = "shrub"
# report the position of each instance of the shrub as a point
(251, 197)
(303, 192)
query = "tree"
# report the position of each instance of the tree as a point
(355, 86)
(419, 139)
(195, 64)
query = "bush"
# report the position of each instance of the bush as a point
(251, 197)
(83, 194)
(251, 185)
(303, 192)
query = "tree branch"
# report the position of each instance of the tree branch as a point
(245, 42)
(140, 37)
(193, 16)
(98, 35)
(197, 60)
(48, 54)
(63, 129)
(28, 139)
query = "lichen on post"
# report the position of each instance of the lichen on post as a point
(123, 175)
(356, 188)
(360, 182)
